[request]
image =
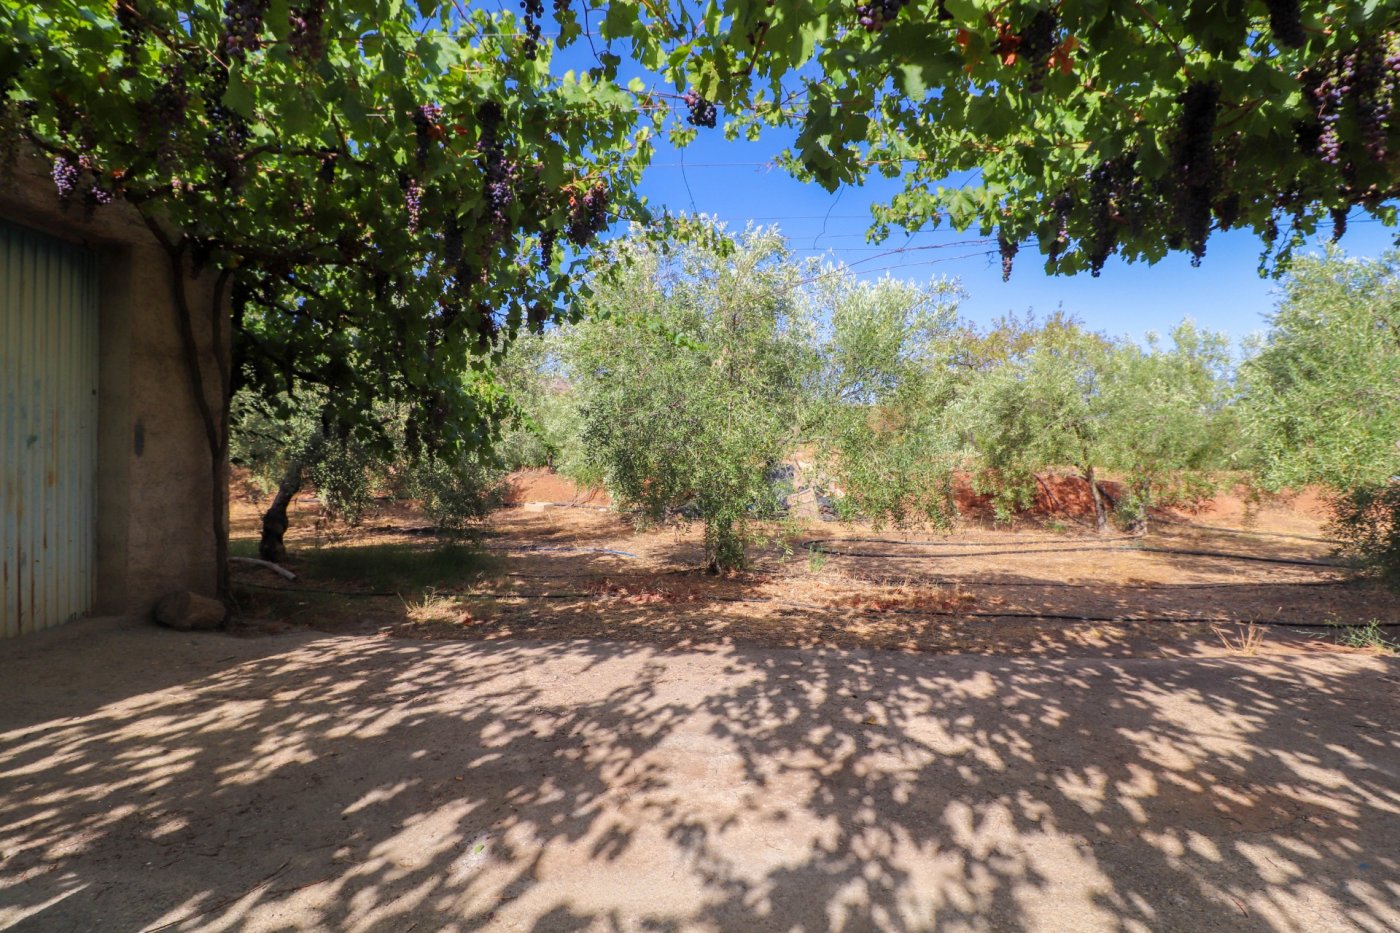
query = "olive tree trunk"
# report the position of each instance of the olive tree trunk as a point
(274, 521)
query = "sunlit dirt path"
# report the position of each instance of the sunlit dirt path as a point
(152, 780)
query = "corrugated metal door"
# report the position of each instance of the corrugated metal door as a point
(48, 429)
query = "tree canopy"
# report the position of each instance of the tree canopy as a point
(1084, 127)
(388, 187)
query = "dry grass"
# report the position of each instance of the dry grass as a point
(1246, 641)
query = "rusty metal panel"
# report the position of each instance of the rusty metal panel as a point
(48, 429)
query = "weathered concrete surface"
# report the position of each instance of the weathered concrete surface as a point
(362, 783)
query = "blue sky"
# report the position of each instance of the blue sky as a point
(736, 182)
(733, 181)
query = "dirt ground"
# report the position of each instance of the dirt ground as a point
(570, 728)
(154, 781)
(562, 565)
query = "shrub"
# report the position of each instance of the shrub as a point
(1366, 519)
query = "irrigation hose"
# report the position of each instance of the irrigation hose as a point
(817, 545)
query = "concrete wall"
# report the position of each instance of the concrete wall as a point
(154, 483)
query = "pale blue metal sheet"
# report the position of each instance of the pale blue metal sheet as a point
(48, 429)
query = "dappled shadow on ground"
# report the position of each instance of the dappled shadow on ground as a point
(369, 783)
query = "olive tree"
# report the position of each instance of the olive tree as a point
(1041, 407)
(688, 368)
(1321, 397)
(1171, 425)
(885, 380)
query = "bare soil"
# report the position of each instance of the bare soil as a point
(580, 731)
(562, 567)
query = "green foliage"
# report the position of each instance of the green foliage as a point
(1082, 127)
(456, 495)
(1051, 394)
(269, 438)
(545, 428)
(1322, 394)
(382, 184)
(1368, 637)
(399, 568)
(877, 419)
(1172, 427)
(1322, 398)
(348, 474)
(1366, 519)
(1043, 406)
(684, 419)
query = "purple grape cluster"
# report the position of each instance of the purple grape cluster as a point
(501, 177)
(128, 17)
(588, 215)
(534, 10)
(537, 316)
(1114, 195)
(1286, 21)
(129, 21)
(65, 176)
(1227, 210)
(1195, 170)
(452, 243)
(1060, 206)
(1374, 88)
(1368, 79)
(425, 118)
(243, 21)
(1339, 223)
(1008, 249)
(875, 15)
(1039, 39)
(307, 20)
(547, 238)
(413, 199)
(500, 174)
(702, 112)
(1328, 97)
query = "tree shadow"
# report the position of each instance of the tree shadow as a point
(369, 783)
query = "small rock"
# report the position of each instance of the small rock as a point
(190, 612)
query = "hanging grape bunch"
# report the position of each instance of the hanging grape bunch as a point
(536, 317)
(500, 174)
(702, 112)
(1114, 193)
(243, 20)
(1008, 249)
(452, 243)
(1286, 21)
(426, 120)
(547, 238)
(413, 200)
(588, 214)
(875, 15)
(65, 176)
(1195, 168)
(501, 178)
(1038, 40)
(1060, 206)
(129, 21)
(534, 10)
(1368, 79)
(307, 20)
